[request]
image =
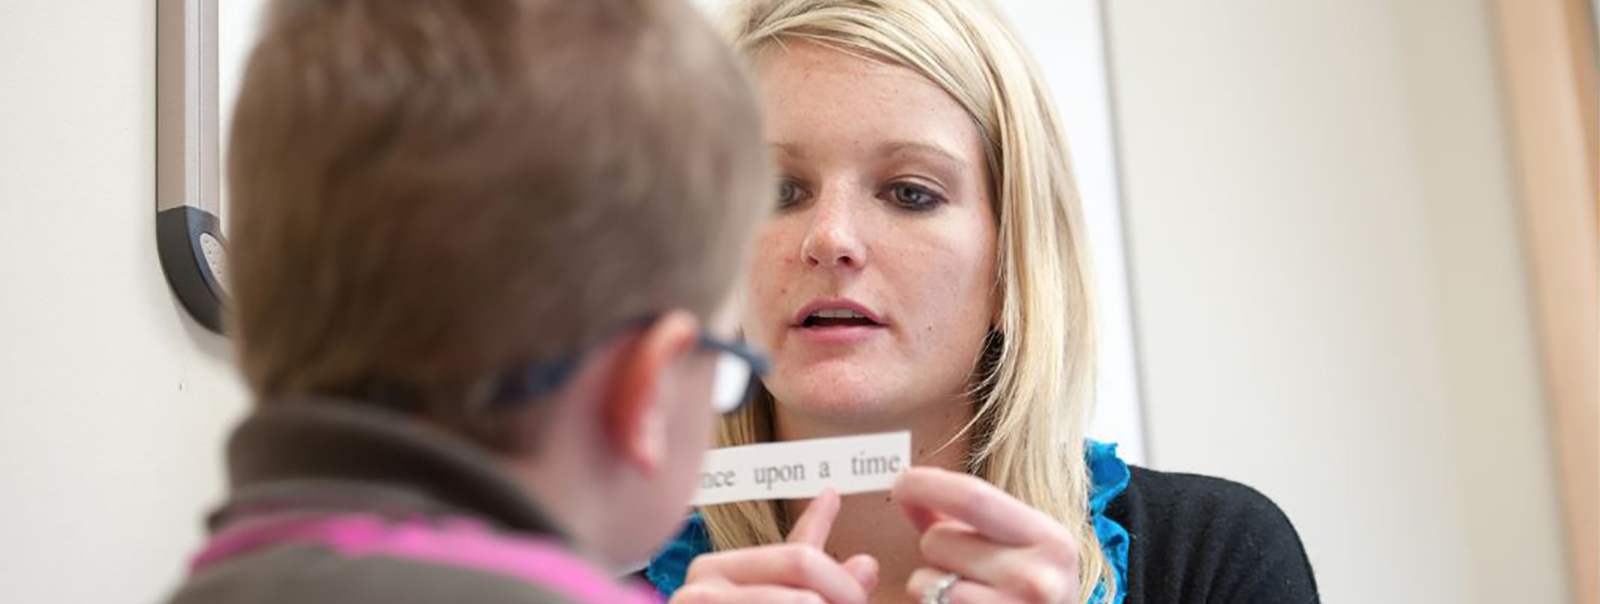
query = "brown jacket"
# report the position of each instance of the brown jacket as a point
(333, 502)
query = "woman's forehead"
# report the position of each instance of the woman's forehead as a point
(822, 99)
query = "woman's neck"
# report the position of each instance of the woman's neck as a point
(871, 523)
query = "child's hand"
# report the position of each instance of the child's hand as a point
(797, 572)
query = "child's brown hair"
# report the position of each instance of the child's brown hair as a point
(425, 194)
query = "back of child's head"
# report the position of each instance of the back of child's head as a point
(425, 194)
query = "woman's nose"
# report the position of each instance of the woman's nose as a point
(833, 239)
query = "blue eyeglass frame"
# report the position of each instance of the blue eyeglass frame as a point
(544, 378)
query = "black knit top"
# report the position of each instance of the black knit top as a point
(1198, 539)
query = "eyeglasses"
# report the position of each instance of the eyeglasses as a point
(738, 370)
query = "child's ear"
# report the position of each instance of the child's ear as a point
(636, 405)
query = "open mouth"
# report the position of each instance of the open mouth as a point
(837, 317)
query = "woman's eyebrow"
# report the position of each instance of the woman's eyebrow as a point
(936, 152)
(922, 150)
(790, 150)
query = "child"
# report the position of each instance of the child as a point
(482, 257)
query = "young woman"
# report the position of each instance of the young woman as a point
(926, 270)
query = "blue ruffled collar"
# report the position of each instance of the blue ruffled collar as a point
(1108, 477)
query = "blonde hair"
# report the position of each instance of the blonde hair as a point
(1036, 381)
(430, 193)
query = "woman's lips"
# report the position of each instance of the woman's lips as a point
(820, 322)
(836, 304)
(838, 334)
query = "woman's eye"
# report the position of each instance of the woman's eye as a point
(789, 193)
(913, 197)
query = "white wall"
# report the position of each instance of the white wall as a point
(112, 404)
(1329, 284)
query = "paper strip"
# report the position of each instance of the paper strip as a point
(802, 469)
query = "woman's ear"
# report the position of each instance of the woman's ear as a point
(637, 402)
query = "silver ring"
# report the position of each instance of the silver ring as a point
(939, 592)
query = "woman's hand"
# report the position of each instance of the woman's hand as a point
(1003, 550)
(796, 572)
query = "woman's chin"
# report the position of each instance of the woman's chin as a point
(832, 406)
(854, 399)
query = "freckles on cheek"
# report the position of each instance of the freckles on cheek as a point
(771, 279)
(773, 271)
(765, 291)
(772, 282)
(765, 310)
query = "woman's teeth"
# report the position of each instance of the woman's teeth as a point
(838, 314)
(837, 318)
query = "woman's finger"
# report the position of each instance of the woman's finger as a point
(816, 522)
(997, 515)
(788, 565)
(865, 570)
(1040, 573)
(727, 593)
(957, 547)
(961, 592)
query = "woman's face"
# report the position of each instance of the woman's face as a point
(873, 287)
